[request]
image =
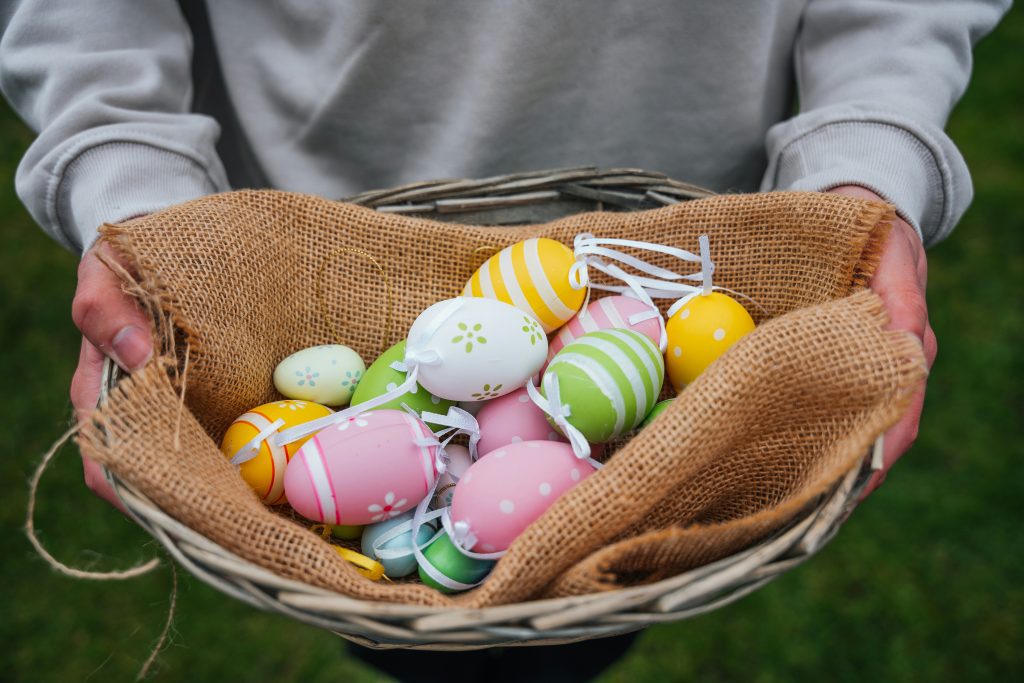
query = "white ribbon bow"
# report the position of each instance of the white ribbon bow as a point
(657, 281)
(456, 421)
(559, 413)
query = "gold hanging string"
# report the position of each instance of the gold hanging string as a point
(322, 302)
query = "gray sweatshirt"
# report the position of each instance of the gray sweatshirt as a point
(140, 104)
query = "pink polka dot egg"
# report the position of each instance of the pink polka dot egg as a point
(504, 491)
(366, 469)
(513, 418)
(611, 312)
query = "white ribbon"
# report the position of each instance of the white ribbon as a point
(665, 283)
(635, 289)
(457, 421)
(585, 244)
(463, 538)
(559, 413)
(382, 553)
(706, 266)
(416, 355)
(251, 449)
(420, 517)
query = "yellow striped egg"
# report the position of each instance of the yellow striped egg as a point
(533, 276)
(265, 472)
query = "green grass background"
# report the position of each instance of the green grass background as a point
(923, 583)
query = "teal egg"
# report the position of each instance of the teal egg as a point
(658, 410)
(610, 380)
(398, 566)
(447, 559)
(381, 378)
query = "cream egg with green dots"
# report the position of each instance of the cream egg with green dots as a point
(701, 331)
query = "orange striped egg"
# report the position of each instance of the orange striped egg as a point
(265, 472)
(533, 276)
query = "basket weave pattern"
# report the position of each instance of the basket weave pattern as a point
(768, 444)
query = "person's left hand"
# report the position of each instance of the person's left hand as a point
(900, 281)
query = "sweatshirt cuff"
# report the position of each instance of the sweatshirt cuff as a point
(115, 181)
(926, 180)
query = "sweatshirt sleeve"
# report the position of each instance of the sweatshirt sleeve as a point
(107, 86)
(876, 81)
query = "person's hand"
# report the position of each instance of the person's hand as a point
(900, 281)
(111, 325)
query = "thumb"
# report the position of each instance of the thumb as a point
(108, 317)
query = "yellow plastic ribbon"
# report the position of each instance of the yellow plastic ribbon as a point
(371, 569)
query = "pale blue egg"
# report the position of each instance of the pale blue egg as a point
(405, 563)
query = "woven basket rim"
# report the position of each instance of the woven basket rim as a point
(510, 199)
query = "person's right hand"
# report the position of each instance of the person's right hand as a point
(112, 325)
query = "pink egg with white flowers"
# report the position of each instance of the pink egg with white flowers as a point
(610, 312)
(504, 491)
(366, 469)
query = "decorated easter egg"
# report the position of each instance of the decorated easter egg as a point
(326, 374)
(700, 332)
(533, 276)
(475, 349)
(506, 490)
(265, 472)
(511, 419)
(446, 560)
(368, 468)
(611, 312)
(659, 408)
(390, 543)
(459, 461)
(609, 379)
(381, 378)
(346, 532)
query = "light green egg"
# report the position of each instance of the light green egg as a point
(658, 410)
(380, 378)
(610, 380)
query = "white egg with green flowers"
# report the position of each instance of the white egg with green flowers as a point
(473, 349)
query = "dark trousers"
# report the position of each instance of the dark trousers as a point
(572, 663)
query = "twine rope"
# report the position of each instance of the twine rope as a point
(181, 399)
(85, 575)
(162, 640)
(30, 527)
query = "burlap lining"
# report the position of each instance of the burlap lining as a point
(760, 435)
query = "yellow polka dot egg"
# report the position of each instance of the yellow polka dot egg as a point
(265, 471)
(701, 331)
(534, 276)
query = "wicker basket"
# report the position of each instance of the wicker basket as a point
(510, 200)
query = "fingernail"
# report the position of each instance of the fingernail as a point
(131, 348)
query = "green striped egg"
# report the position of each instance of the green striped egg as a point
(610, 380)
